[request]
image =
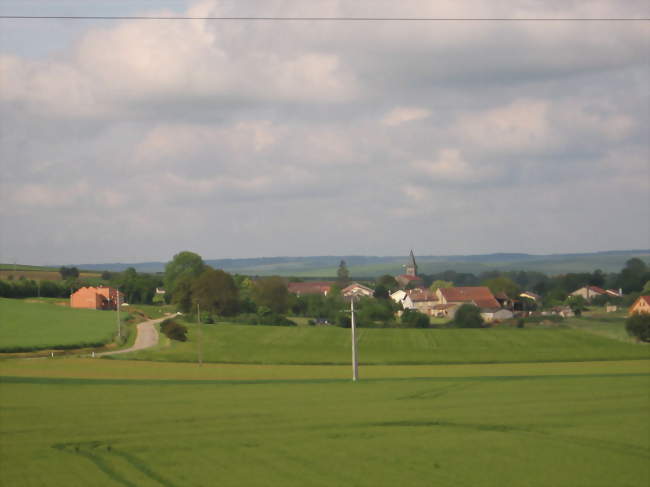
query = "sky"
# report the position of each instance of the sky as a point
(132, 140)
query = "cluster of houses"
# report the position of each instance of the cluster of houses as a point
(440, 303)
(412, 294)
(444, 302)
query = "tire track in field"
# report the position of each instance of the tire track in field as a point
(94, 452)
(601, 444)
(438, 391)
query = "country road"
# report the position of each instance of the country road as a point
(147, 336)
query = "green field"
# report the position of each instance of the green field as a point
(331, 345)
(27, 325)
(610, 325)
(579, 424)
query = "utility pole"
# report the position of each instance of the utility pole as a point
(198, 317)
(117, 306)
(355, 364)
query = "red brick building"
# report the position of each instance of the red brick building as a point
(96, 298)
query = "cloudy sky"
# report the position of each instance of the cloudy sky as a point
(130, 140)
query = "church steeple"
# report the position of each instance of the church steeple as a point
(412, 267)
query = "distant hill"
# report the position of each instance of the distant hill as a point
(372, 266)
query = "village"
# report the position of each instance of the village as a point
(438, 301)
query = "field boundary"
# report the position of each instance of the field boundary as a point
(174, 382)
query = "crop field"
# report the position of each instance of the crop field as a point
(38, 274)
(27, 325)
(63, 423)
(331, 345)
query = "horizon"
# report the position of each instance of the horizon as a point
(333, 256)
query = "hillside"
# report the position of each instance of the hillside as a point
(373, 266)
(331, 345)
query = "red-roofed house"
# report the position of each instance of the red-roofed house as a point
(423, 300)
(96, 298)
(313, 287)
(480, 296)
(641, 306)
(589, 292)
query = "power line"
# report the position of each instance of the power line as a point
(324, 19)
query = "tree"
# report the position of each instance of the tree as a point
(182, 264)
(502, 284)
(215, 292)
(638, 326)
(68, 273)
(440, 284)
(381, 292)
(468, 316)
(182, 296)
(634, 275)
(646, 289)
(388, 282)
(597, 278)
(342, 275)
(577, 304)
(271, 292)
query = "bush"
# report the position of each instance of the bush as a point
(468, 316)
(638, 326)
(174, 330)
(412, 318)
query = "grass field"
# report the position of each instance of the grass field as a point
(27, 325)
(331, 345)
(610, 325)
(520, 425)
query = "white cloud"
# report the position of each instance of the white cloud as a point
(401, 115)
(520, 125)
(451, 167)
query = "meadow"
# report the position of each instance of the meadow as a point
(33, 324)
(331, 345)
(520, 425)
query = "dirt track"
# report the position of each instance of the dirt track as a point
(147, 336)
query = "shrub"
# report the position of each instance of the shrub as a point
(638, 326)
(412, 318)
(468, 316)
(174, 330)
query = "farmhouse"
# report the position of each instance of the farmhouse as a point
(403, 298)
(423, 300)
(356, 290)
(641, 306)
(313, 287)
(96, 298)
(480, 296)
(589, 292)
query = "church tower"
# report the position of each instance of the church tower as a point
(412, 267)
